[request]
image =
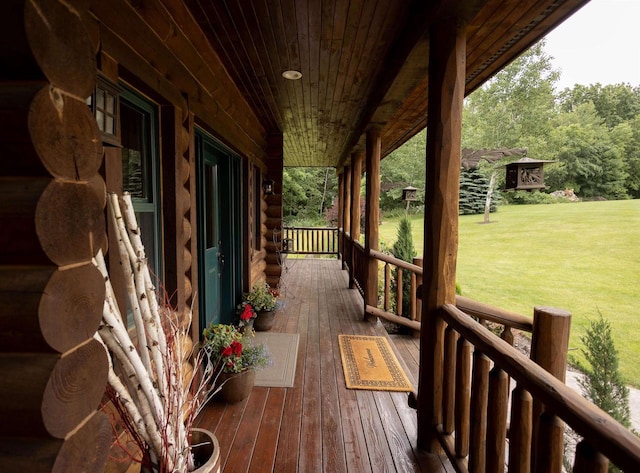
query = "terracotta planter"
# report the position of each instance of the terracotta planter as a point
(264, 321)
(237, 386)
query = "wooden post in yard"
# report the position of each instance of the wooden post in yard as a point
(372, 216)
(444, 129)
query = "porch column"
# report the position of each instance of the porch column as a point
(372, 215)
(356, 180)
(346, 212)
(444, 119)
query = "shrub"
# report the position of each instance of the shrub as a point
(533, 197)
(602, 383)
(403, 249)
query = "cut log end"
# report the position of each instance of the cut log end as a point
(71, 307)
(75, 388)
(65, 135)
(61, 46)
(70, 223)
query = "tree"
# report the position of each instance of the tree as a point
(512, 109)
(403, 249)
(306, 192)
(590, 162)
(405, 166)
(603, 383)
(614, 103)
(476, 190)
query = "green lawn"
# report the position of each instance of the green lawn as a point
(581, 257)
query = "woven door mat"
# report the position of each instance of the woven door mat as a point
(369, 363)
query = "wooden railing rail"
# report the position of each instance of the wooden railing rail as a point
(310, 240)
(474, 410)
(484, 312)
(494, 314)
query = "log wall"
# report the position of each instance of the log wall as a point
(52, 372)
(53, 182)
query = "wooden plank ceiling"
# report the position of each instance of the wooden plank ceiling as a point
(363, 62)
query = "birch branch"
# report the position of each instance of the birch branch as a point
(146, 294)
(127, 253)
(119, 331)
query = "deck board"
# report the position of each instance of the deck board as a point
(319, 425)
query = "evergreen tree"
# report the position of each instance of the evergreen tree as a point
(602, 383)
(474, 186)
(403, 249)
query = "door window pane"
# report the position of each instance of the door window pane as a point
(210, 189)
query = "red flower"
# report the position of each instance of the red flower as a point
(228, 351)
(247, 313)
(237, 348)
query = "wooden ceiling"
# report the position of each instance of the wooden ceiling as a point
(363, 62)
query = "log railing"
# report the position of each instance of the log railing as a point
(476, 419)
(310, 240)
(394, 269)
(497, 408)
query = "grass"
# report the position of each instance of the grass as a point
(582, 257)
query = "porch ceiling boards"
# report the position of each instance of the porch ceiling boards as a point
(319, 425)
(363, 62)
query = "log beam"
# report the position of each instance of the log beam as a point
(444, 125)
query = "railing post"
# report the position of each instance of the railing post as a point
(418, 261)
(549, 347)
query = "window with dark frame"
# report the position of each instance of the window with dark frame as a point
(138, 126)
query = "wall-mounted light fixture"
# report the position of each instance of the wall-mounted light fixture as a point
(105, 105)
(267, 186)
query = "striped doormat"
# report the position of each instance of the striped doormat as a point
(369, 363)
(283, 348)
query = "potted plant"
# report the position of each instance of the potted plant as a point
(238, 357)
(157, 383)
(264, 301)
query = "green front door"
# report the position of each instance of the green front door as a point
(219, 231)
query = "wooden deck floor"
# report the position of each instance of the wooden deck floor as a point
(319, 425)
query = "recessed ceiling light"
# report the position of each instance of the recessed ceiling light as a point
(292, 75)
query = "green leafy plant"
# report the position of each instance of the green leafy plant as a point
(234, 349)
(261, 297)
